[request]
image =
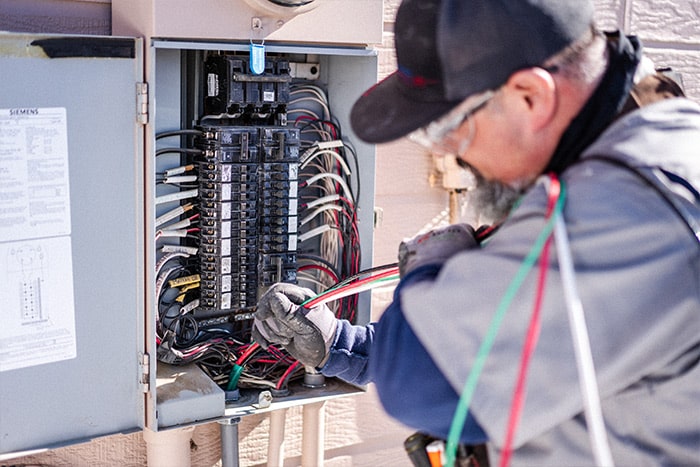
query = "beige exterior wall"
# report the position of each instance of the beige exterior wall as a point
(357, 433)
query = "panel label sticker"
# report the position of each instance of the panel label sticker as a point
(36, 269)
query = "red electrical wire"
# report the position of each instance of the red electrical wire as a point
(320, 268)
(286, 374)
(304, 117)
(532, 335)
(354, 284)
(248, 352)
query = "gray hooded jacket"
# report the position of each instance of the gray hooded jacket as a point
(637, 270)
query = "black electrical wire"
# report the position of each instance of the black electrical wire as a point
(166, 134)
(356, 163)
(179, 150)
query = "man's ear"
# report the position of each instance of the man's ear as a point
(535, 94)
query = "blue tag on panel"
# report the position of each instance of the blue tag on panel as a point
(257, 58)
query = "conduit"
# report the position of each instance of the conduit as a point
(169, 448)
(275, 446)
(313, 434)
(229, 442)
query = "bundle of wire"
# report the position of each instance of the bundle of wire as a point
(328, 248)
(329, 240)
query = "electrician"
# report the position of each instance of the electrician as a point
(531, 97)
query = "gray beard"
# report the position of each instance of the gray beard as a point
(492, 200)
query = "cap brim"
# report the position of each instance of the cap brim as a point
(387, 112)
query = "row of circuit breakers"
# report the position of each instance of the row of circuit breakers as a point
(247, 184)
(248, 212)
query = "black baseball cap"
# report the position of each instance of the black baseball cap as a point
(448, 50)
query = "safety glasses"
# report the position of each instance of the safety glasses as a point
(440, 136)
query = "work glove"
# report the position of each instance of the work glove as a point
(435, 247)
(306, 333)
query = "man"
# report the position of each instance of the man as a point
(517, 89)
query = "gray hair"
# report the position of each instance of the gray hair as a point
(584, 61)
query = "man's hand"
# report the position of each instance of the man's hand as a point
(435, 247)
(307, 334)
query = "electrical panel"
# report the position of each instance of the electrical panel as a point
(212, 161)
(257, 182)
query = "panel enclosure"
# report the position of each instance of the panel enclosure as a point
(96, 260)
(114, 383)
(184, 394)
(330, 22)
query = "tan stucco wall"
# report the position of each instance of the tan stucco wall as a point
(357, 433)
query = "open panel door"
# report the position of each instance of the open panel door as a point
(71, 240)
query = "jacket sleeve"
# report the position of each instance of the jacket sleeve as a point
(410, 386)
(349, 353)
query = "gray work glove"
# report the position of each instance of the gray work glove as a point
(435, 247)
(307, 334)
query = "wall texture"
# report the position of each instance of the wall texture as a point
(357, 433)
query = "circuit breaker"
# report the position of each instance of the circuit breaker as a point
(158, 182)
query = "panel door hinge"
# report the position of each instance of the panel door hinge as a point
(142, 103)
(144, 372)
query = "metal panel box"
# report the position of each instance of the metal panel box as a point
(341, 22)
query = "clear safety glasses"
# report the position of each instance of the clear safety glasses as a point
(440, 136)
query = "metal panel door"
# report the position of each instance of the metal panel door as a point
(71, 240)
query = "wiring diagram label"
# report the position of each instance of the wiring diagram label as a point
(36, 273)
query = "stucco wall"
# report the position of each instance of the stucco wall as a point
(357, 433)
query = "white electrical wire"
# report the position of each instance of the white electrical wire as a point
(179, 170)
(305, 277)
(173, 179)
(318, 201)
(330, 244)
(172, 233)
(183, 224)
(177, 196)
(323, 135)
(329, 152)
(314, 232)
(357, 290)
(320, 97)
(308, 112)
(335, 177)
(317, 211)
(582, 348)
(311, 89)
(302, 99)
(172, 214)
(188, 250)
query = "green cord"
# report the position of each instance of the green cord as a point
(234, 376)
(470, 386)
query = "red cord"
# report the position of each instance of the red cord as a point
(357, 283)
(248, 352)
(286, 374)
(320, 268)
(532, 335)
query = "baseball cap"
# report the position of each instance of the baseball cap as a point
(447, 50)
